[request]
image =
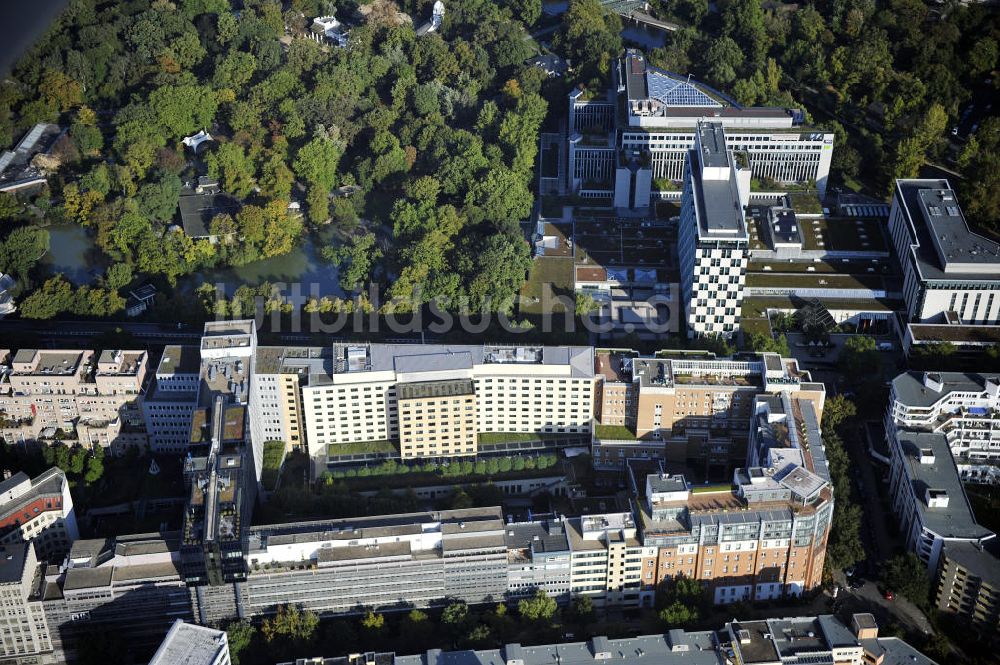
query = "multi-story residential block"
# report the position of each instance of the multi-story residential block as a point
(947, 268)
(94, 399)
(713, 240)
(538, 557)
(688, 411)
(381, 563)
(433, 400)
(940, 429)
(928, 496)
(618, 155)
(968, 583)
(171, 399)
(38, 510)
(25, 636)
(821, 639)
(763, 538)
(608, 561)
(192, 644)
(964, 409)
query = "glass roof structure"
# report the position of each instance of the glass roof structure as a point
(677, 92)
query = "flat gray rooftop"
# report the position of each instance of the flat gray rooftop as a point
(978, 561)
(413, 358)
(947, 248)
(712, 139)
(720, 213)
(695, 649)
(547, 536)
(911, 391)
(190, 644)
(956, 520)
(179, 360)
(12, 559)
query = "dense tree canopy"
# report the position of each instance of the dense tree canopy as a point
(378, 119)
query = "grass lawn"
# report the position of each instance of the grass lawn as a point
(360, 447)
(754, 325)
(757, 306)
(423, 479)
(274, 454)
(614, 432)
(707, 489)
(806, 203)
(550, 276)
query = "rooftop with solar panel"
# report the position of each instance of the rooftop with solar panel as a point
(656, 97)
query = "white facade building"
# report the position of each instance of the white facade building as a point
(25, 637)
(192, 644)
(171, 399)
(662, 113)
(713, 239)
(963, 408)
(946, 267)
(38, 510)
(942, 428)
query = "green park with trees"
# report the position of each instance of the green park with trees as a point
(420, 151)
(889, 78)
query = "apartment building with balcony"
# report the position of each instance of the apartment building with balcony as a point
(967, 584)
(608, 561)
(95, 399)
(964, 408)
(38, 510)
(940, 432)
(764, 536)
(928, 497)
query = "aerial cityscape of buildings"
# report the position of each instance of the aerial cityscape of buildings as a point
(606, 468)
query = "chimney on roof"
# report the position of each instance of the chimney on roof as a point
(865, 627)
(932, 380)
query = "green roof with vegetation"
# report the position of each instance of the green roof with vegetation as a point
(360, 448)
(614, 432)
(274, 454)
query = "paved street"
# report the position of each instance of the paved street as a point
(870, 599)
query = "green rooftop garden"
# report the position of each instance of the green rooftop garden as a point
(614, 432)
(360, 448)
(709, 489)
(274, 455)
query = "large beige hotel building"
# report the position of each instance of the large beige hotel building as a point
(429, 400)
